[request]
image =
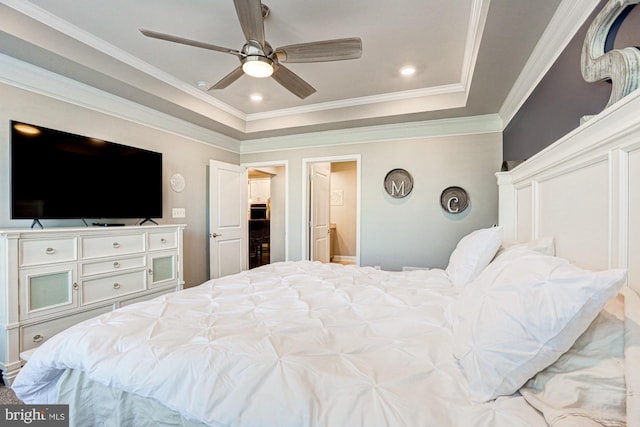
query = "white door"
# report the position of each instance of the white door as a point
(320, 211)
(227, 219)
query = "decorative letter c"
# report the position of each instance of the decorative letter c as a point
(449, 202)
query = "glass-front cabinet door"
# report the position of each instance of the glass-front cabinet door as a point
(162, 268)
(47, 290)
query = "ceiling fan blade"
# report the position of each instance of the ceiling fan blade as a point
(292, 82)
(228, 79)
(176, 39)
(250, 16)
(321, 51)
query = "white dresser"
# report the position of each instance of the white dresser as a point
(52, 279)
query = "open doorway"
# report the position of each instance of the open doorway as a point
(267, 217)
(332, 206)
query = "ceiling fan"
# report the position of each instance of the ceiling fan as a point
(259, 59)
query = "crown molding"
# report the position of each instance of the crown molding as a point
(477, 22)
(565, 23)
(452, 89)
(381, 133)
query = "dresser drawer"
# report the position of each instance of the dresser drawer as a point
(104, 288)
(112, 266)
(45, 251)
(119, 244)
(159, 241)
(32, 336)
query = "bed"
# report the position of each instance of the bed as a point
(289, 344)
(533, 323)
(311, 344)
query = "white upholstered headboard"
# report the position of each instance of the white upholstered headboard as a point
(584, 190)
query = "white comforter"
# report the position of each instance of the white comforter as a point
(289, 344)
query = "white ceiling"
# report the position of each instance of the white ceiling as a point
(468, 54)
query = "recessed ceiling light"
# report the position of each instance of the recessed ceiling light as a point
(256, 97)
(202, 85)
(408, 70)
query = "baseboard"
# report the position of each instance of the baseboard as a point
(344, 259)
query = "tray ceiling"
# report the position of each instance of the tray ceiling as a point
(467, 55)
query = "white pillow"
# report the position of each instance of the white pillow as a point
(472, 254)
(544, 245)
(520, 315)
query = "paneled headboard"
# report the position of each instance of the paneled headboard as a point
(584, 190)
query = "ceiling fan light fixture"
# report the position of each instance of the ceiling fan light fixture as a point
(257, 66)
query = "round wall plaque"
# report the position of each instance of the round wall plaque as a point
(398, 183)
(454, 200)
(177, 182)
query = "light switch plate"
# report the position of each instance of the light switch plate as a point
(178, 213)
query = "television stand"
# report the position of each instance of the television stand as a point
(148, 220)
(38, 223)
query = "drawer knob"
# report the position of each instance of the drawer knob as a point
(38, 338)
(163, 240)
(150, 272)
(116, 286)
(50, 251)
(116, 245)
(75, 286)
(116, 264)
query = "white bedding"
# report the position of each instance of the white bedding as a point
(586, 386)
(288, 344)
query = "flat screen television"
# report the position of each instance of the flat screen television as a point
(59, 175)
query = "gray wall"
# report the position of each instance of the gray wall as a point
(186, 156)
(415, 230)
(562, 97)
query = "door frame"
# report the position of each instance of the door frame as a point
(306, 197)
(285, 164)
